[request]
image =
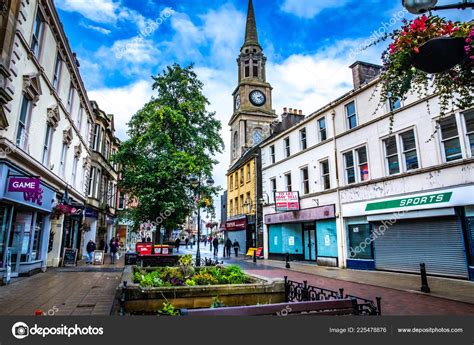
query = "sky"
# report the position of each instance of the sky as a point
(309, 44)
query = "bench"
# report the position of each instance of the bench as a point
(329, 307)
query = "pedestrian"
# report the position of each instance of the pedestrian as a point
(148, 239)
(228, 245)
(113, 250)
(177, 243)
(90, 251)
(210, 243)
(236, 246)
(186, 241)
(215, 243)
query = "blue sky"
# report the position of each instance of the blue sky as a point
(309, 45)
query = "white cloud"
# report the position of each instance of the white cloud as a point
(310, 8)
(123, 102)
(99, 29)
(102, 11)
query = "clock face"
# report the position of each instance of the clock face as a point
(257, 98)
(237, 102)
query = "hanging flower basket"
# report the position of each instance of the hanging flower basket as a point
(61, 209)
(430, 55)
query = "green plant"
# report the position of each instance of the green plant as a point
(168, 309)
(217, 303)
(186, 260)
(205, 278)
(190, 282)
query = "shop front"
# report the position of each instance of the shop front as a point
(306, 235)
(237, 229)
(25, 208)
(400, 233)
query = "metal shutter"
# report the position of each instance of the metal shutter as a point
(437, 242)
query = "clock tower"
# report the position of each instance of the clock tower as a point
(253, 113)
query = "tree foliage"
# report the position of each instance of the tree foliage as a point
(171, 137)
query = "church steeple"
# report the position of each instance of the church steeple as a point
(251, 35)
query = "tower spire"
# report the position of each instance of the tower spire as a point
(251, 36)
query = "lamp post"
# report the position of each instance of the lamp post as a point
(422, 6)
(196, 184)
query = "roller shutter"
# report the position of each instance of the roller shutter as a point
(437, 242)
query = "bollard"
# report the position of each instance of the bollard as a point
(341, 293)
(123, 298)
(379, 305)
(424, 279)
(254, 256)
(287, 259)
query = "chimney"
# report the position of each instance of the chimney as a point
(300, 112)
(285, 110)
(363, 72)
(291, 111)
(295, 111)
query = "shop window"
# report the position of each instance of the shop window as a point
(360, 245)
(4, 215)
(36, 244)
(322, 129)
(450, 139)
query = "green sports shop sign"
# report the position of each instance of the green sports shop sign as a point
(410, 202)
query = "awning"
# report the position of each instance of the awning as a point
(236, 224)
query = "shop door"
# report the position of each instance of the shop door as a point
(14, 248)
(309, 242)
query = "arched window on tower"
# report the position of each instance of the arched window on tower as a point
(255, 68)
(235, 144)
(247, 69)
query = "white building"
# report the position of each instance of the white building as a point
(45, 143)
(371, 198)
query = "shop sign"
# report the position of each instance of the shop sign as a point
(91, 213)
(411, 202)
(29, 186)
(308, 214)
(287, 201)
(238, 224)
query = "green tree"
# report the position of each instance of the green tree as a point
(171, 137)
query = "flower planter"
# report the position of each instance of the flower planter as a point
(440, 54)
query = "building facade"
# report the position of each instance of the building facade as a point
(379, 188)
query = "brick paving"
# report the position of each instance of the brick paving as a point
(61, 293)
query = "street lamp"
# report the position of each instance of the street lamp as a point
(422, 6)
(196, 184)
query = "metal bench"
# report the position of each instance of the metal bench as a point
(330, 307)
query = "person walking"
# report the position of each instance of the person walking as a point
(113, 250)
(210, 243)
(215, 243)
(177, 243)
(228, 245)
(90, 250)
(186, 241)
(236, 246)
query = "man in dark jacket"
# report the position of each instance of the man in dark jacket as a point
(215, 243)
(228, 245)
(236, 246)
(90, 250)
(177, 244)
(113, 250)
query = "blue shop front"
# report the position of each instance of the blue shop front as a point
(25, 208)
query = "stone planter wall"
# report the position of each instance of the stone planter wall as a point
(148, 301)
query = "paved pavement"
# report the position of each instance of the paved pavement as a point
(84, 290)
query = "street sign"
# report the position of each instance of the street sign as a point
(69, 257)
(98, 257)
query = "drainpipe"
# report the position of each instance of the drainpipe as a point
(340, 221)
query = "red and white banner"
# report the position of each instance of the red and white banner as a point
(287, 201)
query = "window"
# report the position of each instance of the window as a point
(231, 208)
(322, 129)
(288, 182)
(75, 163)
(450, 139)
(37, 34)
(305, 180)
(351, 115)
(62, 164)
(247, 69)
(391, 155)
(121, 201)
(469, 120)
(47, 145)
(79, 118)
(255, 68)
(287, 147)
(57, 71)
(325, 175)
(273, 186)
(87, 132)
(231, 182)
(21, 135)
(358, 234)
(70, 98)
(236, 205)
(395, 104)
(242, 205)
(92, 176)
(96, 138)
(236, 179)
(303, 142)
(272, 154)
(410, 154)
(248, 200)
(356, 160)
(248, 173)
(242, 176)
